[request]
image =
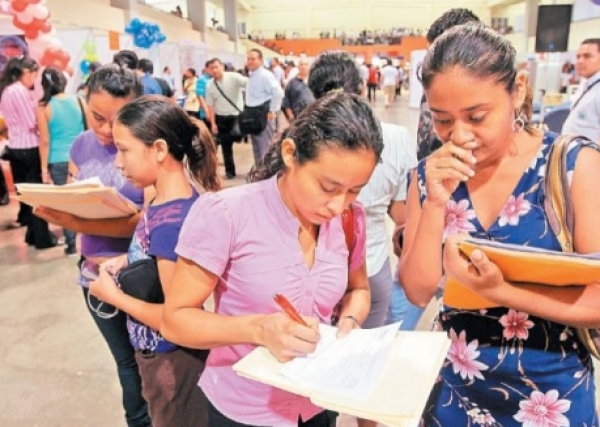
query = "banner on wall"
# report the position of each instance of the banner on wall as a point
(114, 40)
(11, 46)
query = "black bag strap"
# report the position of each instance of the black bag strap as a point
(85, 125)
(226, 97)
(584, 93)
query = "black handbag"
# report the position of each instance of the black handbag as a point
(140, 280)
(253, 120)
(235, 132)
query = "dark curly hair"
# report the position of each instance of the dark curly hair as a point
(337, 120)
(334, 70)
(448, 20)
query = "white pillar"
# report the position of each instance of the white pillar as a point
(129, 6)
(231, 22)
(196, 14)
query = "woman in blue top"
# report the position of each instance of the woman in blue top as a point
(520, 363)
(60, 120)
(156, 140)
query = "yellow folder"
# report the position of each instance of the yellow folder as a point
(523, 264)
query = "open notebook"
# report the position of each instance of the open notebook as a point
(86, 199)
(372, 374)
(523, 264)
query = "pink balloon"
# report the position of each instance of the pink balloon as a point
(25, 17)
(5, 7)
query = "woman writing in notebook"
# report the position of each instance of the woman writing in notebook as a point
(281, 234)
(153, 137)
(93, 155)
(518, 362)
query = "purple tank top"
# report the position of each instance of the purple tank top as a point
(96, 160)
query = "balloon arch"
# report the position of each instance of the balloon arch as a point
(33, 18)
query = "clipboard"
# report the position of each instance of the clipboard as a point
(524, 264)
(415, 358)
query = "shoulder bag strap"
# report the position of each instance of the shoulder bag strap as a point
(584, 93)
(85, 125)
(348, 219)
(226, 97)
(559, 208)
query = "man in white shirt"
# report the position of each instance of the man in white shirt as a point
(389, 80)
(225, 101)
(262, 90)
(584, 118)
(277, 71)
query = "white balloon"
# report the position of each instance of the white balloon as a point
(38, 11)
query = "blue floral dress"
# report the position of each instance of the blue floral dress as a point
(506, 367)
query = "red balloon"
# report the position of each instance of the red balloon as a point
(19, 24)
(19, 5)
(45, 27)
(31, 34)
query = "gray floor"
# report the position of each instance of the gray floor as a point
(55, 370)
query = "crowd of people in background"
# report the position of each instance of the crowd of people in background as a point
(478, 169)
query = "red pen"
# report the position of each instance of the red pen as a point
(288, 309)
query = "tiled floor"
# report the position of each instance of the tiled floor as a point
(55, 370)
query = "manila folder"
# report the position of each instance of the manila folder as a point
(403, 387)
(90, 201)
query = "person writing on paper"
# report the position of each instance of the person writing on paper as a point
(386, 191)
(153, 137)
(281, 234)
(519, 363)
(60, 119)
(93, 155)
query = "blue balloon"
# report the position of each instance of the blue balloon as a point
(161, 38)
(154, 28)
(129, 29)
(84, 66)
(139, 40)
(135, 24)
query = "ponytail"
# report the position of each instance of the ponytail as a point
(271, 164)
(153, 117)
(202, 158)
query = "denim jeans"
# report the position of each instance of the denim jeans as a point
(401, 309)
(59, 173)
(114, 332)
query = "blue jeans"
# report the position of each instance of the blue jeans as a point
(59, 173)
(401, 309)
(114, 332)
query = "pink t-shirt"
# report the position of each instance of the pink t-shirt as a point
(248, 237)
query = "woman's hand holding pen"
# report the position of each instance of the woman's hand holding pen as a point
(446, 168)
(285, 338)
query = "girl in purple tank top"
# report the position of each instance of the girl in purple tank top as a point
(93, 155)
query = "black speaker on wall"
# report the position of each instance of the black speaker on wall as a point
(553, 25)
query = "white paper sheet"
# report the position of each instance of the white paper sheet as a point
(350, 366)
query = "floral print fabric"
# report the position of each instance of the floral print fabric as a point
(505, 367)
